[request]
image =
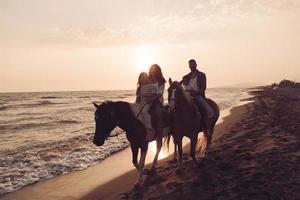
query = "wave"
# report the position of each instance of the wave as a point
(49, 160)
(34, 104)
(68, 122)
(46, 102)
(51, 97)
(36, 124)
(84, 97)
(3, 107)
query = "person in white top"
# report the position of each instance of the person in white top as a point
(144, 96)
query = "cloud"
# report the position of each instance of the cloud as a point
(206, 18)
(92, 36)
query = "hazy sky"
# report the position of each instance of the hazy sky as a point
(55, 45)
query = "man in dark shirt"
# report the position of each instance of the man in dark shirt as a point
(196, 82)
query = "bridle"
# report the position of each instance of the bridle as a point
(116, 135)
(173, 99)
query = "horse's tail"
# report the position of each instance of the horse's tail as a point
(202, 145)
(167, 121)
(205, 140)
(167, 140)
(216, 110)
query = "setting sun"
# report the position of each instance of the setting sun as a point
(144, 58)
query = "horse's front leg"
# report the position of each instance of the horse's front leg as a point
(141, 166)
(193, 147)
(158, 148)
(208, 137)
(135, 150)
(175, 151)
(179, 143)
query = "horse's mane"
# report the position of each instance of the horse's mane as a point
(182, 93)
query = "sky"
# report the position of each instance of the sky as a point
(63, 45)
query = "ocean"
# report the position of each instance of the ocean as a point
(46, 134)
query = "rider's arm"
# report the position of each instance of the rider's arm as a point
(161, 89)
(202, 84)
(160, 92)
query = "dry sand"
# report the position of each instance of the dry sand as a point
(255, 155)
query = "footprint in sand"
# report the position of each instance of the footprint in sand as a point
(172, 185)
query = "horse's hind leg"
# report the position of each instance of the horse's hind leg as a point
(158, 148)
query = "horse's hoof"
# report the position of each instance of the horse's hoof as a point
(146, 171)
(202, 162)
(152, 172)
(149, 172)
(136, 166)
(137, 186)
(179, 170)
(196, 163)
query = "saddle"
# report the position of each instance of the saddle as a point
(200, 112)
(138, 108)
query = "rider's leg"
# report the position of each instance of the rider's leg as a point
(146, 118)
(203, 103)
(197, 111)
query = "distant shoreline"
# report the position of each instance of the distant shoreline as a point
(104, 90)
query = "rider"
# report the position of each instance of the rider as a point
(156, 77)
(157, 110)
(144, 93)
(196, 84)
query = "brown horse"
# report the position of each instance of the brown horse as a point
(111, 114)
(186, 122)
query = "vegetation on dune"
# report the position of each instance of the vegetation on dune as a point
(286, 83)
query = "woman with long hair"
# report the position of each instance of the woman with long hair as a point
(156, 77)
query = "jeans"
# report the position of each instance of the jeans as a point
(205, 106)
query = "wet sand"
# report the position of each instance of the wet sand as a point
(254, 155)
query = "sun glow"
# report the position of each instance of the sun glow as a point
(144, 58)
(163, 153)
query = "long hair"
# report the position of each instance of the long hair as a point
(141, 76)
(155, 72)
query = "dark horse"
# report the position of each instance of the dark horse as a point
(111, 114)
(185, 121)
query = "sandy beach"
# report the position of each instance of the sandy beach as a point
(254, 155)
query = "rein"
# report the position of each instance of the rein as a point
(140, 111)
(116, 135)
(170, 100)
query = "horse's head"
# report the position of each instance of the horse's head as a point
(106, 121)
(173, 90)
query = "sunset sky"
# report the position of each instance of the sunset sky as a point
(59, 45)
